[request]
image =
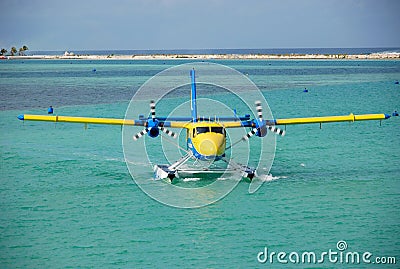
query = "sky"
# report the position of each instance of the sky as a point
(198, 24)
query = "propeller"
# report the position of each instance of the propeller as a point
(140, 134)
(260, 129)
(250, 134)
(261, 125)
(153, 126)
(276, 130)
(153, 109)
(259, 109)
(168, 132)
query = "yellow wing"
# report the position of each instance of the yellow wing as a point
(78, 119)
(88, 120)
(227, 124)
(326, 119)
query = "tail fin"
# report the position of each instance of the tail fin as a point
(193, 97)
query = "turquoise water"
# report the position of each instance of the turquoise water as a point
(68, 200)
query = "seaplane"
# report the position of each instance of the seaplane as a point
(206, 137)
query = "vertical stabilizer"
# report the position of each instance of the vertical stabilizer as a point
(193, 105)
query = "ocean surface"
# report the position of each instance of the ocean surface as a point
(68, 200)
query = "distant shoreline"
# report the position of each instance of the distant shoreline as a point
(71, 56)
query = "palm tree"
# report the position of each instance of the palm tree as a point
(3, 51)
(13, 51)
(22, 50)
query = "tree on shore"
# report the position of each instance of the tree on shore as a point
(13, 51)
(24, 48)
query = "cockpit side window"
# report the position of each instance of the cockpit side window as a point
(218, 130)
(201, 130)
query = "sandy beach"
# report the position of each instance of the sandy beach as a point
(372, 56)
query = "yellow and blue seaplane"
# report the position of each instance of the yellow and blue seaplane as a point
(205, 136)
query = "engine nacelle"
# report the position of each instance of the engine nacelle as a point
(262, 131)
(261, 128)
(152, 128)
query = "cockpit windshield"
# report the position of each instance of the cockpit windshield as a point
(218, 130)
(201, 130)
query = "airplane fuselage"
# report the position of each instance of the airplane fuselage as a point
(206, 140)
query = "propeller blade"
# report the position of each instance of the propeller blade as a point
(277, 130)
(259, 109)
(153, 109)
(168, 132)
(140, 134)
(249, 134)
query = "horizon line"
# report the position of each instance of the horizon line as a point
(200, 49)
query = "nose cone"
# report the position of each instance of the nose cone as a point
(208, 147)
(211, 144)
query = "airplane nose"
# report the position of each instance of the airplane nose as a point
(208, 147)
